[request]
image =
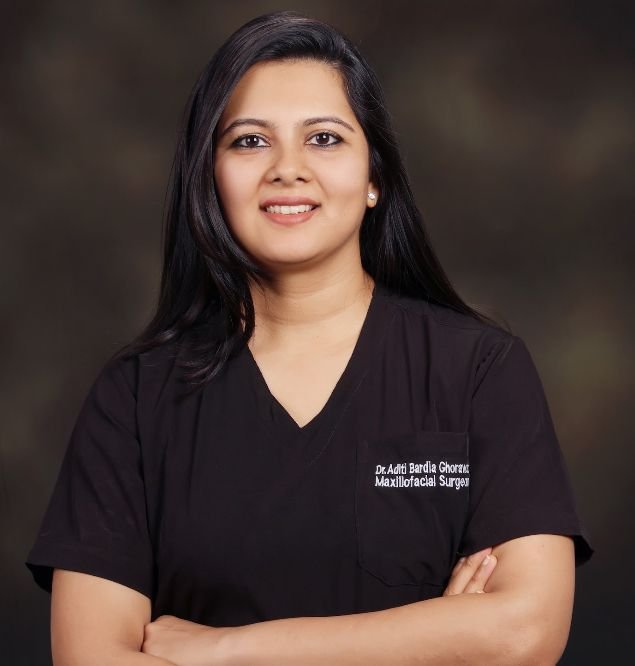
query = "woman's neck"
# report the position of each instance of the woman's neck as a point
(297, 310)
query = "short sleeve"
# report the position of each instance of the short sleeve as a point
(519, 483)
(96, 519)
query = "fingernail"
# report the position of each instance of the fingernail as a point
(485, 562)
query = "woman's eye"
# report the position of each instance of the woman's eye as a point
(248, 141)
(324, 137)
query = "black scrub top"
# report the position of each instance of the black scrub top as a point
(436, 442)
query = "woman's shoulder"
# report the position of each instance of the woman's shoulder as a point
(444, 320)
(456, 344)
(131, 369)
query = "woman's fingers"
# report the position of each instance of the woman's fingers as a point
(466, 569)
(481, 575)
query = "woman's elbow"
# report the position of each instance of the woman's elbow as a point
(539, 637)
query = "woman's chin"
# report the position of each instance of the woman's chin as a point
(288, 259)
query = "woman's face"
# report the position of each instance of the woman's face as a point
(288, 136)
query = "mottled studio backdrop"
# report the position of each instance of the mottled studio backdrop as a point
(516, 121)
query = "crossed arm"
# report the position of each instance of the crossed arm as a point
(523, 619)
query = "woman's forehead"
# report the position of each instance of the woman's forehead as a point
(288, 88)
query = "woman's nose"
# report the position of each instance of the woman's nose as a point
(288, 163)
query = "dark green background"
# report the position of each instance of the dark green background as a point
(516, 122)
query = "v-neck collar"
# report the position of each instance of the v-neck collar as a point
(276, 418)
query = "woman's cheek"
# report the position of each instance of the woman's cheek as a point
(229, 184)
(347, 177)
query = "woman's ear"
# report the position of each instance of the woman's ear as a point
(372, 196)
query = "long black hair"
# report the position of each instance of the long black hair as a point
(206, 273)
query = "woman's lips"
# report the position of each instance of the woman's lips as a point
(290, 218)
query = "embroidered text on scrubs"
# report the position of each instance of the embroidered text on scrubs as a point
(402, 475)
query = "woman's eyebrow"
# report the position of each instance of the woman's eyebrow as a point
(268, 125)
(327, 119)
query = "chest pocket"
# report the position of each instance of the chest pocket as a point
(411, 499)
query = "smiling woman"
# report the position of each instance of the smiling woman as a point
(293, 157)
(316, 452)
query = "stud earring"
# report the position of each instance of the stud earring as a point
(372, 196)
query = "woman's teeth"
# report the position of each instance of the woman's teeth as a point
(289, 210)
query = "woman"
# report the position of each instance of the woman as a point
(293, 460)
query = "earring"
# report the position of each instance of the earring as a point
(372, 196)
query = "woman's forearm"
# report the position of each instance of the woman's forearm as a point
(468, 628)
(122, 658)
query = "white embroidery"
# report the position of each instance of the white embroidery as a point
(426, 474)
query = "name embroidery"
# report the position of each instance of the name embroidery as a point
(427, 474)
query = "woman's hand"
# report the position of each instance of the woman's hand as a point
(185, 643)
(471, 574)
